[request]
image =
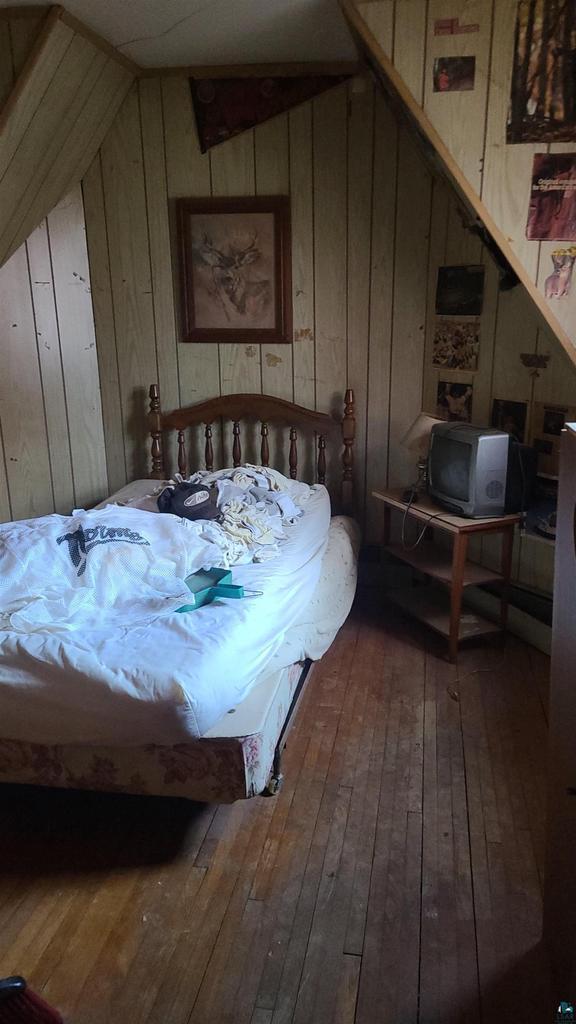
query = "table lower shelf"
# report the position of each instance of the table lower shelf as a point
(434, 561)
(431, 604)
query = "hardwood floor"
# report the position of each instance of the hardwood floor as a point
(396, 878)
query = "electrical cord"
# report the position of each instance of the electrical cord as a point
(433, 515)
(455, 694)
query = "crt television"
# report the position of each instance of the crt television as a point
(477, 471)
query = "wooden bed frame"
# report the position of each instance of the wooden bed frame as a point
(265, 409)
(38, 764)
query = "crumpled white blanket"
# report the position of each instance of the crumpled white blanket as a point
(256, 506)
(91, 650)
(112, 566)
(124, 565)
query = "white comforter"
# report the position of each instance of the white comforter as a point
(92, 649)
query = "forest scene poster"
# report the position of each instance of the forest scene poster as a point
(543, 96)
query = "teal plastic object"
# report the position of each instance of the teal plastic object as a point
(208, 584)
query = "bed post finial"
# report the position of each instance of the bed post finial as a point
(348, 435)
(155, 421)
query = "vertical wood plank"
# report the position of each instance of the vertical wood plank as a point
(159, 238)
(411, 261)
(379, 16)
(232, 166)
(359, 213)
(330, 246)
(272, 164)
(330, 257)
(78, 346)
(5, 507)
(410, 45)
(460, 121)
(303, 286)
(272, 171)
(380, 326)
(50, 356)
(103, 307)
(187, 174)
(482, 398)
(23, 421)
(125, 204)
(516, 332)
(441, 199)
(6, 75)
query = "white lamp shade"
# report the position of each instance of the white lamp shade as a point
(417, 437)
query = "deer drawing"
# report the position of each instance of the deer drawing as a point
(230, 267)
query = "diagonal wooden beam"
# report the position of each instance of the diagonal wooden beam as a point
(438, 155)
(303, 69)
(54, 121)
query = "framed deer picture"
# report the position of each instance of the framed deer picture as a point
(236, 269)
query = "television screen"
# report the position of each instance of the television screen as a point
(451, 467)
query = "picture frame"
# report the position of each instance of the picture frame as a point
(547, 423)
(235, 269)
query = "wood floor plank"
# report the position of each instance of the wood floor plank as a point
(396, 877)
(349, 974)
(388, 978)
(448, 968)
(289, 938)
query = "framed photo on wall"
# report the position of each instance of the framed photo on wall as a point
(236, 269)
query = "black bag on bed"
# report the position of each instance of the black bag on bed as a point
(189, 501)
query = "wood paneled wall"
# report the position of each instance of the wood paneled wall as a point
(52, 456)
(348, 171)
(51, 436)
(369, 229)
(65, 94)
(472, 124)
(509, 326)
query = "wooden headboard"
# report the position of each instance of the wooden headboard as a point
(266, 410)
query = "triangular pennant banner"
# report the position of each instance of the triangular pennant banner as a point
(227, 106)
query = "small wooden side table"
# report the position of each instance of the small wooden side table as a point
(441, 607)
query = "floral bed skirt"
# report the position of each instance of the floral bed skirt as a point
(213, 770)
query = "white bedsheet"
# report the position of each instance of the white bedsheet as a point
(147, 674)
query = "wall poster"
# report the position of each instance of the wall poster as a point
(552, 210)
(543, 94)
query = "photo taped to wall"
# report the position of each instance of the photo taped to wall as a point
(454, 74)
(454, 401)
(510, 416)
(460, 290)
(456, 344)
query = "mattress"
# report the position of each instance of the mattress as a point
(232, 760)
(140, 693)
